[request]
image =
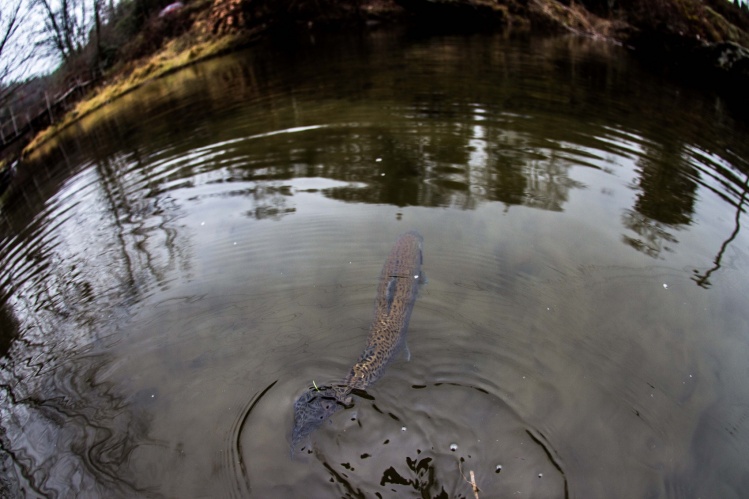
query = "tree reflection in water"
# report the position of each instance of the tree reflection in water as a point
(703, 280)
(70, 433)
(66, 294)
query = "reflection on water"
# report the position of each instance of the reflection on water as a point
(178, 268)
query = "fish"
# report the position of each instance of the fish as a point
(399, 284)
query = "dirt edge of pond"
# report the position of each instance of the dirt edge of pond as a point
(688, 36)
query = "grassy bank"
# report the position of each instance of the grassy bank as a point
(174, 56)
(208, 29)
(669, 30)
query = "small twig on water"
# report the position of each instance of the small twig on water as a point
(471, 482)
(474, 486)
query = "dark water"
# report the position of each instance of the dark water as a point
(179, 267)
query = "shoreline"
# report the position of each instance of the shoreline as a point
(190, 48)
(213, 33)
(163, 63)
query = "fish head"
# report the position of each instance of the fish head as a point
(311, 410)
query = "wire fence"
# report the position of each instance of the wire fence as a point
(29, 118)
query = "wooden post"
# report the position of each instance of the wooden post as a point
(13, 119)
(49, 108)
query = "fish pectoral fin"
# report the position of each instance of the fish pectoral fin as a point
(406, 352)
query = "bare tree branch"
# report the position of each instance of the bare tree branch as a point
(14, 54)
(67, 24)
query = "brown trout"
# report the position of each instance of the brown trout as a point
(399, 284)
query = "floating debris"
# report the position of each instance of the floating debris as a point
(472, 481)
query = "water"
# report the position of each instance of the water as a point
(179, 267)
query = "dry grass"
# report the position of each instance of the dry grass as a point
(689, 18)
(177, 54)
(577, 19)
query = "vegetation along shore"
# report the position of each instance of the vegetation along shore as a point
(106, 49)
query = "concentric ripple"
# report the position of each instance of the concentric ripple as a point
(176, 269)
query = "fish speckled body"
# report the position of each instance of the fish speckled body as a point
(399, 285)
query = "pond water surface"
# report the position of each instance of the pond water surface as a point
(179, 267)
